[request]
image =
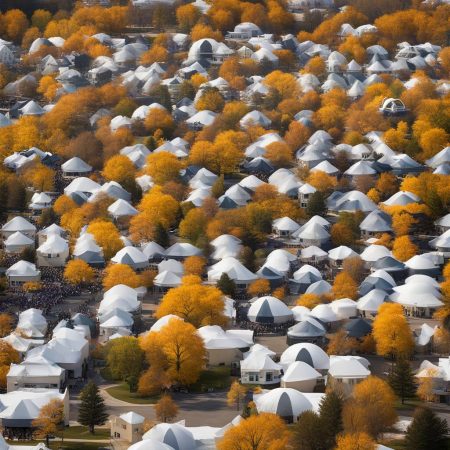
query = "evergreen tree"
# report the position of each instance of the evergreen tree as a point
(427, 431)
(401, 380)
(316, 205)
(309, 432)
(226, 285)
(161, 236)
(92, 407)
(331, 418)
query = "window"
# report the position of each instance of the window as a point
(269, 376)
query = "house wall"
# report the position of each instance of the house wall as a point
(223, 357)
(302, 386)
(125, 431)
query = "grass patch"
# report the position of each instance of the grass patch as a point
(400, 444)
(80, 432)
(217, 378)
(122, 392)
(65, 446)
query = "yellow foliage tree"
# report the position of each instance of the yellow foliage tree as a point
(120, 274)
(197, 304)
(259, 287)
(78, 272)
(63, 205)
(391, 332)
(163, 167)
(50, 419)
(260, 432)
(309, 300)
(322, 181)
(166, 409)
(344, 286)
(119, 168)
(403, 249)
(236, 395)
(107, 237)
(279, 154)
(210, 100)
(371, 409)
(156, 54)
(177, 350)
(194, 265)
(402, 223)
(284, 83)
(355, 441)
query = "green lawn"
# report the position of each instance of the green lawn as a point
(399, 444)
(122, 392)
(66, 445)
(83, 433)
(217, 378)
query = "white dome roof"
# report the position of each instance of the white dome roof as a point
(310, 353)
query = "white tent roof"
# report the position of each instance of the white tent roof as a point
(233, 268)
(54, 244)
(342, 252)
(347, 367)
(76, 165)
(163, 321)
(300, 371)
(173, 434)
(269, 307)
(17, 238)
(122, 208)
(371, 301)
(22, 269)
(18, 223)
(324, 313)
(310, 353)
(259, 360)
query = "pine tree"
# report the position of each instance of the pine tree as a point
(316, 205)
(309, 432)
(226, 285)
(330, 411)
(92, 407)
(401, 380)
(427, 431)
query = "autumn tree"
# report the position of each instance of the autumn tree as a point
(6, 323)
(118, 168)
(403, 249)
(187, 16)
(259, 287)
(401, 380)
(210, 100)
(236, 395)
(177, 350)
(355, 267)
(120, 274)
(198, 304)
(344, 286)
(193, 226)
(201, 31)
(40, 177)
(309, 300)
(41, 18)
(371, 409)
(78, 272)
(49, 420)
(355, 441)
(391, 332)
(124, 357)
(402, 223)
(427, 431)
(279, 154)
(163, 167)
(322, 181)
(107, 237)
(14, 24)
(194, 265)
(166, 409)
(341, 344)
(260, 432)
(159, 119)
(156, 54)
(342, 234)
